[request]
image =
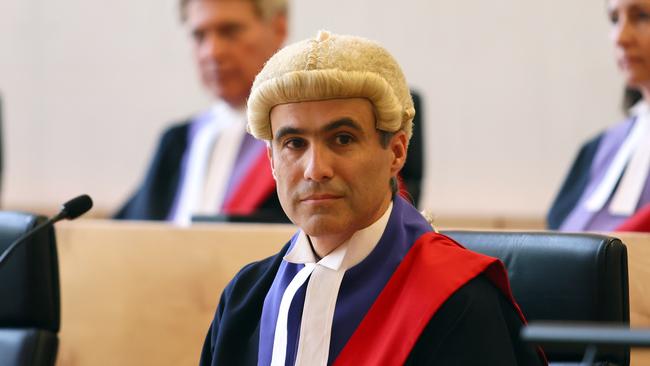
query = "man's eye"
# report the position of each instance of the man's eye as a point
(231, 31)
(294, 143)
(198, 36)
(344, 139)
(642, 15)
(637, 15)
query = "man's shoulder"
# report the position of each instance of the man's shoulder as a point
(259, 268)
(256, 276)
(446, 250)
(479, 291)
(619, 129)
(175, 137)
(476, 299)
(177, 129)
(476, 319)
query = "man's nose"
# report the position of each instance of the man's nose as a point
(623, 33)
(212, 47)
(318, 166)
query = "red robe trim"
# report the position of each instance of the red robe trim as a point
(256, 186)
(639, 222)
(403, 191)
(434, 268)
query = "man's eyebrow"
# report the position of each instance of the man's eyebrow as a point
(343, 122)
(287, 131)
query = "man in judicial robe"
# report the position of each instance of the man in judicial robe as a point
(365, 280)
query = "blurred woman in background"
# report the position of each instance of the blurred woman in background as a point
(607, 187)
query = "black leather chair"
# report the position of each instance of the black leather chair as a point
(412, 172)
(29, 294)
(562, 277)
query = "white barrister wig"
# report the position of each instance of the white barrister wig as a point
(332, 66)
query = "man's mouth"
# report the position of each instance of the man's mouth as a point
(320, 198)
(627, 61)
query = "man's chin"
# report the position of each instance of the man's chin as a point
(323, 225)
(225, 92)
(234, 101)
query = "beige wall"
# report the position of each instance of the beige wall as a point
(511, 88)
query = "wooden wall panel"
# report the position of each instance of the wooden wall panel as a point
(144, 294)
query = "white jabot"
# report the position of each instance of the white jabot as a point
(280, 339)
(322, 291)
(222, 161)
(633, 153)
(211, 157)
(629, 191)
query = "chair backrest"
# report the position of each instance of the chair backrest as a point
(2, 160)
(29, 293)
(563, 277)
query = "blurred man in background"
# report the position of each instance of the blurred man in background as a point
(208, 164)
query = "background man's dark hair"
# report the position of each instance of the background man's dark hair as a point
(265, 9)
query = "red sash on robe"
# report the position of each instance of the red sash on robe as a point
(639, 222)
(256, 186)
(434, 268)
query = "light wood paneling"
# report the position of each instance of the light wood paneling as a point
(144, 294)
(638, 254)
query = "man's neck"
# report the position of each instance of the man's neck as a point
(223, 104)
(234, 103)
(324, 245)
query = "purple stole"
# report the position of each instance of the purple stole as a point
(252, 181)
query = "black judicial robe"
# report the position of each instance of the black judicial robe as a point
(475, 326)
(574, 184)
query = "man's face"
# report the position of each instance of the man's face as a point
(231, 44)
(332, 172)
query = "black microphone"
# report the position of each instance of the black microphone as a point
(70, 210)
(74, 208)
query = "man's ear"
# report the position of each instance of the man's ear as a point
(398, 146)
(269, 154)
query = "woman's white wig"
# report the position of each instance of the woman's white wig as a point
(332, 67)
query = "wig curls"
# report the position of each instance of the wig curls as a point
(332, 67)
